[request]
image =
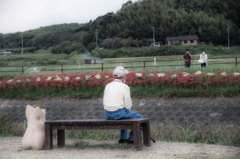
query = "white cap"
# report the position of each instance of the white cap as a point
(119, 71)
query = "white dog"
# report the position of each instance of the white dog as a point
(34, 136)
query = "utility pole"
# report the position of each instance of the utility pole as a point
(153, 35)
(97, 38)
(228, 30)
(22, 42)
(3, 41)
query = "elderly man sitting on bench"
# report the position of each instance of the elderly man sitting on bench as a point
(118, 103)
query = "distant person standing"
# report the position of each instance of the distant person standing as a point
(187, 58)
(203, 59)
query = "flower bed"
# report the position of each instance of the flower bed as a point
(180, 79)
(175, 83)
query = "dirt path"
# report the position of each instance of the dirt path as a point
(10, 148)
(87, 56)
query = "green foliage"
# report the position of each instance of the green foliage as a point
(3, 128)
(19, 50)
(212, 51)
(177, 43)
(131, 26)
(207, 19)
(68, 47)
(11, 75)
(43, 37)
(138, 52)
(41, 57)
(116, 42)
(83, 92)
(9, 128)
(91, 46)
(92, 134)
(205, 132)
(136, 91)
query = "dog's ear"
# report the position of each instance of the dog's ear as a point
(44, 111)
(29, 111)
(38, 114)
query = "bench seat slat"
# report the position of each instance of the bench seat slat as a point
(96, 121)
(87, 127)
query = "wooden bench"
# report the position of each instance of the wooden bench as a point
(60, 125)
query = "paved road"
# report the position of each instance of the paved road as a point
(87, 56)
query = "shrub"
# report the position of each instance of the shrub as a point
(163, 51)
(91, 46)
(116, 42)
(138, 52)
(67, 47)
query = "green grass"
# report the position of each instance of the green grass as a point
(9, 128)
(205, 132)
(175, 66)
(83, 92)
(171, 91)
(136, 91)
(74, 63)
(169, 60)
(40, 57)
(212, 51)
(29, 59)
(77, 57)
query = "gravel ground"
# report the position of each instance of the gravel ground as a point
(10, 148)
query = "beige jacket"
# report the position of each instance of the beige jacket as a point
(117, 96)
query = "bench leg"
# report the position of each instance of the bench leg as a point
(146, 134)
(137, 136)
(48, 137)
(61, 138)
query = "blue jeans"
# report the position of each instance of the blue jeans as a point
(187, 65)
(203, 64)
(122, 114)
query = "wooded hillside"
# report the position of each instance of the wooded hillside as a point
(132, 26)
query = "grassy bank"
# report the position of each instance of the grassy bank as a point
(40, 58)
(207, 133)
(223, 134)
(136, 91)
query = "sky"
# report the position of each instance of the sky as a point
(22, 15)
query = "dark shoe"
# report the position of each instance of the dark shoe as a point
(122, 141)
(130, 142)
